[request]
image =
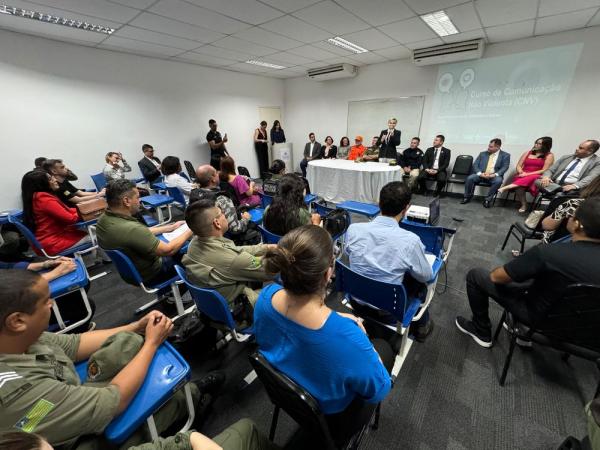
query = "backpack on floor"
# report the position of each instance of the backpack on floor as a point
(336, 222)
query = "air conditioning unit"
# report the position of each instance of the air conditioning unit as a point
(447, 53)
(333, 72)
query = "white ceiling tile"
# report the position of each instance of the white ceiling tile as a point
(284, 73)
(426, 6)
(343, 60)
(205, 59)
(290, 5)
(249, 11)
(95, 8)
(510, 31)
(424, 44)
(494, 12)
(369, 58)
(563, 22)
(371, 39)
(236, 44)
(195, 15)
(312, 52)
(552, 7)
(330, 48)
(173, 27)
(464, 17)
(329, 16)
(315, 64)
(264, 37)
(138, 4)
(247, 68)
(467, 35)
(378, 12)
(219, 52)
(411, 30)
(115, 42)
(156, 38)
(595, 20)
(399, 52)
(290, 58)
(296, 29)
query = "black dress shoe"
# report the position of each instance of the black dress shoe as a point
(211, 382)
(465, 200)
(487, 204)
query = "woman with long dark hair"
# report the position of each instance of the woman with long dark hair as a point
(277, 134)
(245, 191)
(261, 146)
(344, 148)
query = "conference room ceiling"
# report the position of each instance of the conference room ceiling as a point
(293, 33)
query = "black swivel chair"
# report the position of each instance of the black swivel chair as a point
(522, 232)
(244, 171)
(460, 170)
(190, 170)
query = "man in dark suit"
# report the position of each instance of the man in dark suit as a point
(149, 164)
(488, 169)
(388, 141)
(435, 164)
(312, 150)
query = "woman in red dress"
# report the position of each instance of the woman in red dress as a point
(530, 167)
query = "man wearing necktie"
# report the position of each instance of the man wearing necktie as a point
(488, 170)
(388, 141)
(435, 163)
(572, 172)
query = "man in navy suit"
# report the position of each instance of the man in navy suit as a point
(488, 169)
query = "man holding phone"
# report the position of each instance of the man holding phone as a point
(216, 142)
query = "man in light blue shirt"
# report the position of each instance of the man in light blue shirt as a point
(383, 251)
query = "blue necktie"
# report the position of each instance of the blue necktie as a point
(569, 170)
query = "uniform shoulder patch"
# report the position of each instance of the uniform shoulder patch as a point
(34, 416)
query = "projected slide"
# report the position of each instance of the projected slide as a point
(517, 97)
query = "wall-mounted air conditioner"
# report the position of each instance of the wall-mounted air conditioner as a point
(441, 54)
(333, 72)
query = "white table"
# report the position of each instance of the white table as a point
(338, 180)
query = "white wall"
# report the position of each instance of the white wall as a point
(322, 107)
(78, 103)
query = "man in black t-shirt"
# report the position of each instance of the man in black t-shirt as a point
(68, 194)
(528, 285)
(216, 144)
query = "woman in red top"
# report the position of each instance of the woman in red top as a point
(51, 220)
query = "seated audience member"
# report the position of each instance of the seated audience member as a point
(246, 193)
(116, 166)
(238, 223)
(149, 164)
(288, 210)
(435, 163)
(411, 161)
(572, 171)
(385, 252)
(329, 150)
(592, 411)
(357, 150)
(326, 352)
(489, 166)
(51, 221)
(528, 285)
(555, 222)
(277, 169)
(38, 163)
(372, 153)
(72, 414)
(68, 193)
(171, 168)
(529, 168)
(213, 261)
(118, 229)
(344, 148)
(312, 150)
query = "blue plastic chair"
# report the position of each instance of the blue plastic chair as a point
(266, 200)
(130, 274)
(157, 201)
(432, 237)
(365, 209)
(212, 304)
(166, 374)
(177, 195)
(267, 236)
(256, 215)
(99, 181)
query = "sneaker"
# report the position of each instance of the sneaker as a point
(211, 383)
(467, 327)
(420, 333)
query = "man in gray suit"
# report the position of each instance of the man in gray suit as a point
(312, 150)
(572, 172)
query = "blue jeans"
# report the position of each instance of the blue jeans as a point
(495, 184)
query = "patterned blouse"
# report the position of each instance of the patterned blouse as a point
(562, 212)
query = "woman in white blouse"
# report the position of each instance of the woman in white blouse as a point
(171, 167)
(115, 167)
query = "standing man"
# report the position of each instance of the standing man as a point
(216, 144)
(149, 165)
(312, 150)
(435, 163)
(411, 161)
(489, 167)
(388, 141)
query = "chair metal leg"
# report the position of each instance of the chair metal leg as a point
(522, 241)
(510, 230)
(274, 423)
(499, 327)
(513, 343)
(377, 414)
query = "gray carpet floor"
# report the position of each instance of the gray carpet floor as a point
(447, 394)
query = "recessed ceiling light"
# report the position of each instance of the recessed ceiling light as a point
(56, 20)
(440, 23)
(347, 45)
(265, 64)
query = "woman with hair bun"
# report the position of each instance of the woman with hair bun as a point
(326, 352)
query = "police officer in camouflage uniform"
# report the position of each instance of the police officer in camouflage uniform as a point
(372, 153)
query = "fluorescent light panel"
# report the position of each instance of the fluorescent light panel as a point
(264, 64)
(347, 45)
(440, 23)
(56, 20)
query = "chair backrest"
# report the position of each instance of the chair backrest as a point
(243, 171)
(177, 195)
(268, 237)
(320, 209)
(431, 237)
(124, 266)
(185, 175)
(462, 165)
(99, 181)
(208, 301)
(293, 399)
(190, 169)
(266, 200)
(16, 221)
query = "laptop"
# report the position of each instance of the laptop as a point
(434, 211)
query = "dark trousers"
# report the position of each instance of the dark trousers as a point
(262, 154)
(303, 165)
(439, 177)
(495, 184)
(167, 271)
(510, 296)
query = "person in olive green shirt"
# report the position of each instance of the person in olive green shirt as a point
(118, 229)
(372, 153)
(213, 261)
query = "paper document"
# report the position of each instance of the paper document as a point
(176, 233)
(430, 258)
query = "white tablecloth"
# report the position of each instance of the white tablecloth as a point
(338, 180)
